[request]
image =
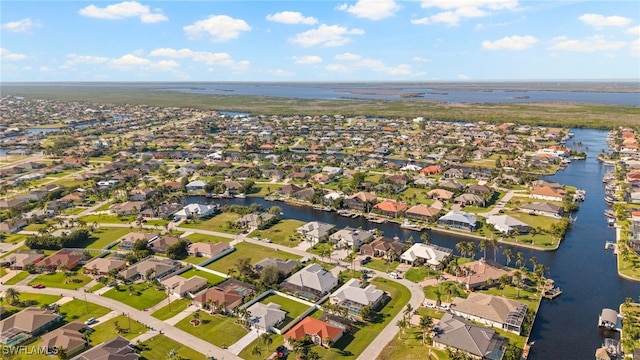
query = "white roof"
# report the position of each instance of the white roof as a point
(431, 254)
(266, 316)
(353, 292)
(459, 216)
(505, 222)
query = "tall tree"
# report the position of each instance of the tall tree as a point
(425, 325)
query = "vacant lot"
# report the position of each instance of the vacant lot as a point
(139, 296)
(248, 250)
(62, 280)
(159, 346)
(216, 329)
(218, 223)
(282, 233)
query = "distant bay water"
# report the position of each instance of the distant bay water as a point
(328, 92)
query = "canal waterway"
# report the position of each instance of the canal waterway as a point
(566, 327)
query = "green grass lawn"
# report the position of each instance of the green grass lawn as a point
(281, 233)
(266, 350)
(107, 330)
(629, 267)
(171, 310)
(417, 274)
(81, 310)
(62, 281)
(159, 346)
(106, 219)
(208, 238)
(244, 250)
(381, 265)
(350, 346)
(15, 238)
(211, 278)
(194, 259)
(32, 227)
(97, 287)
(216, 329)
(157, 222)
(107, 235)
(292, 307)
(431, 292)
(17, 278)
(408, 346)
(216, 223)
(74, 210)
(265, 189)
(417, 195)
(149, 295)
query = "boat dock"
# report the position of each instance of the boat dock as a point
(550, 291)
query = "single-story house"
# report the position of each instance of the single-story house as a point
(361, 201)
(458, 220)
(548, 193)
(195, 185)
(12, 226)
(68, 337)
(127, 208)
(390, 208)
(476, 341)
(104, 266)
(353, 297)
(544, 209)
(431, 255)
(312, 282)
(214, 297)
(195, 210)
(117, 348)
(495, 311)
(27, 323)
(422, 212)
(508, 225)
(286, 266)
(207, 249)
(265, 318)
(382, 246)
(127, 241)
(68, 258)
(177, 285)
(255, 220)
(318, 330)
(150, 269)
(350, 237)
(315, 231)
(160, 244)
(476, 273)
(18, 261)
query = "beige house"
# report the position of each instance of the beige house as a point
(67, 337)
(27, 323)
(177, 285)
(103, 266)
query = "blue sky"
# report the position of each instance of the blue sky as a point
(365, 40)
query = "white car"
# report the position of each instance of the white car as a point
(394, 275)
(429, 304)
(444, 307)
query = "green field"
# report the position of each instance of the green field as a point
(61, 280)
(148, 297)
(248, 250)
(195, 237)
(282, 233)
(81, 311)
(106, 331)
(212, 279)
(292, 307)
(159, 346)
(216, 329)
(217, 223)
(171, 310)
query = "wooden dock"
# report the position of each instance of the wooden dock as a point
(550, 291)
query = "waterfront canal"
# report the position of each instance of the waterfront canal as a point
(566, 327)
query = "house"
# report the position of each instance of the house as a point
(196, 185)
(141, 194)
(353, 297)
(495, 311)
(477, 273)
(23, 258)
(12, 226)
(313, 282)
(482, 190)
(166, 211)
(68, 337)
(383, 247)
(508, 225)
(476, 341)
(544, 209)
(127, 208)
(318, 330)
(12, 203)
(207, 249)
(160, 244)
(361, 201)
(458, 220)
(286, 266)
(390, 208)
(470, 199)
(29, 322)
(127, 241)
(232, 186)
(117, 348)
(288, 189)
(195, 210)
(548, 193)
(305, 194)
(150, 269)
(255, 220)
(428, 254)
(215, 297)
(440, 194)
(321, 178)
(68, 258)
(431, 170)
(104, 266)
(177, 285)
(265, 318)
(315, 231)
(350, 237)
(422, 212)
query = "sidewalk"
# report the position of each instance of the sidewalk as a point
(244, 342)
(183, 314)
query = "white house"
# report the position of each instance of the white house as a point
(430, 254)
(507, 224)
(199, 210)
(315, 231)
(350, 237)
(266, 317)
(354, 297)
(195, 185)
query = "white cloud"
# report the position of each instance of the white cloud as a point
(292, 17)
(463, 77)
(221, 28)
(124, 10)
(23, 25)
(457, 10)
(420, 59)
(372, 9)
(131, 62)
(589, 44)
(209, 58)
(325, 35)
(281, 73)
(7, 55)
(307, 59)
(514, 42)
(356, 62)
(74, 59)
(599, 21)
(634, 30)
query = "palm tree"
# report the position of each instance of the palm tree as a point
(13, 295)
(255, 351)
(172, 354)
(328, 342)
(483, 247)
(425, 237)
(494, 244)
(266, 339)
(462, 248)
(508, 254)
(408, 311)
(402, 324)
(471, 249)
(425, 325)
(534, 263)
(519, 259)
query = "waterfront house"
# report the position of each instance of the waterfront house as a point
(508, 225)
(422, 212)
(312, 282)
(428, 254)
(544, 209)
(350, 237)
(265, 318)
(288, 189)
(255, 220)
(548, 193)
(318, 330)
(478, 273)
(315, 231)
(196, 185)
(390, 208)
(182, 287)
(458, 220)
(361, 201)
(166, 211)
(25, 324)
(353, 297)
(476, 341)
(495, 311)
(195, 210)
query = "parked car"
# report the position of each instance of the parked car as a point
(365, 260)
(91, 321)
(38, 286)
(394, 275)
(429, 304)
(444, 307)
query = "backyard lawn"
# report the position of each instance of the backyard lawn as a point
(106, 218)
(81, 310)
(195, 237)
(281, 233)
(292, 307)
(216, 223)
(159, 346)
(212, 279)
(107, 235)
(62, 280)
(381, 265)
(248, 250)
(107, 330)
(143, 296)
(171, 310)
(216, 329)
